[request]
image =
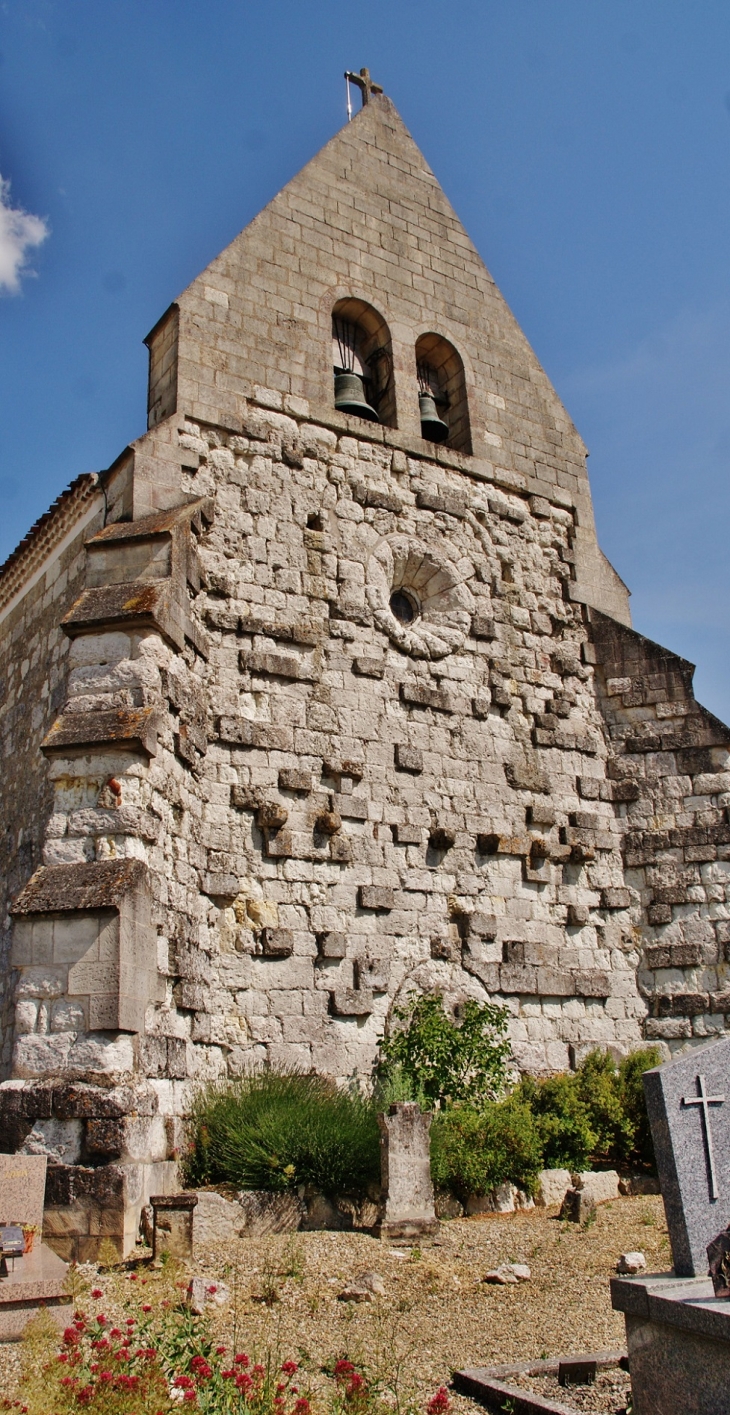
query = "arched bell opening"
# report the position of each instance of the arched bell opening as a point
(363, 362)
(442, 393)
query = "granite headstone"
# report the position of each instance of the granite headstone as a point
(22, 1189)
(688, 1103)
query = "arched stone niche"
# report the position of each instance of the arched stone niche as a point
(373, 353)
(436, 585)
(440, 366)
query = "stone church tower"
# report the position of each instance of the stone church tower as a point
(323, 693)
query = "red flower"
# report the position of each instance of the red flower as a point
(146, 1307)
(244, 1381)
(220, 1350)
(132, 1277)
(101, 1319)
(302, 1407)
(439, 1403)
(96, 1292)
(289, 1367)
(241, 1360)
(115, 1332)
(344, 1368)
(183, 1382)
(212, 1289)
(228, 1375)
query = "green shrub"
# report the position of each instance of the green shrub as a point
(443, 1060)
(596, 1114)
(597, 1084)
(473, 1150)
(277, 1131)
(562, 1119)
(631, 1090)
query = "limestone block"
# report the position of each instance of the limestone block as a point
(293, 779)
(277, 943)
(552, 1187)
(615, 898)
(372, 896)
(264, 1212)
(216, 1219)
(332, 944)
(60, 1140)
(372, 974)
(408, 758)
(599, 1185)
(351, 1002)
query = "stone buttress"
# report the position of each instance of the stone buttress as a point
(272, 806)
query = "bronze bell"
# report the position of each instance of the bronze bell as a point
(350, 397)
(433, 428)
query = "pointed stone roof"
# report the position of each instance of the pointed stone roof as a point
(366, 218)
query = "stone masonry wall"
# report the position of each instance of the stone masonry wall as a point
(669, 773)
(33, 668)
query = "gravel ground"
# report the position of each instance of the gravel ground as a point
(437, 1314)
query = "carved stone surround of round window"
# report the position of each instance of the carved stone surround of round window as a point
(407, 572)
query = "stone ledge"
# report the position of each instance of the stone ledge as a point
(133, 606)
(101, 884)
(134, 729)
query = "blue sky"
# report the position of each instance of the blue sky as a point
(586, 147)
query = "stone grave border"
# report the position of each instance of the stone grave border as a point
(487, 1385)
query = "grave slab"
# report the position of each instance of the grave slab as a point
(678, 1338)
(688, 1102)
(38, 1278)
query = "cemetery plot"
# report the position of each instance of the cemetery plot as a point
(436, 1314)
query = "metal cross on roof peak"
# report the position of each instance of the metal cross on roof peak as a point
(364, 83)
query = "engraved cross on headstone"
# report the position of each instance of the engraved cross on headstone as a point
(705, 1101)
(364, 83)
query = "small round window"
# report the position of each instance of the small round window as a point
(404, 607)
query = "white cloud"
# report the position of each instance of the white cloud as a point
(19, 233)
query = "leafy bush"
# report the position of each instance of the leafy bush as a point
(277, 1131)
(443, 1060)
(631, 1090)
(473, 1150)
(596, 1114)
(562, 1119)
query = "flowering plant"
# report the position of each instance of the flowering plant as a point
(163, 1360)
